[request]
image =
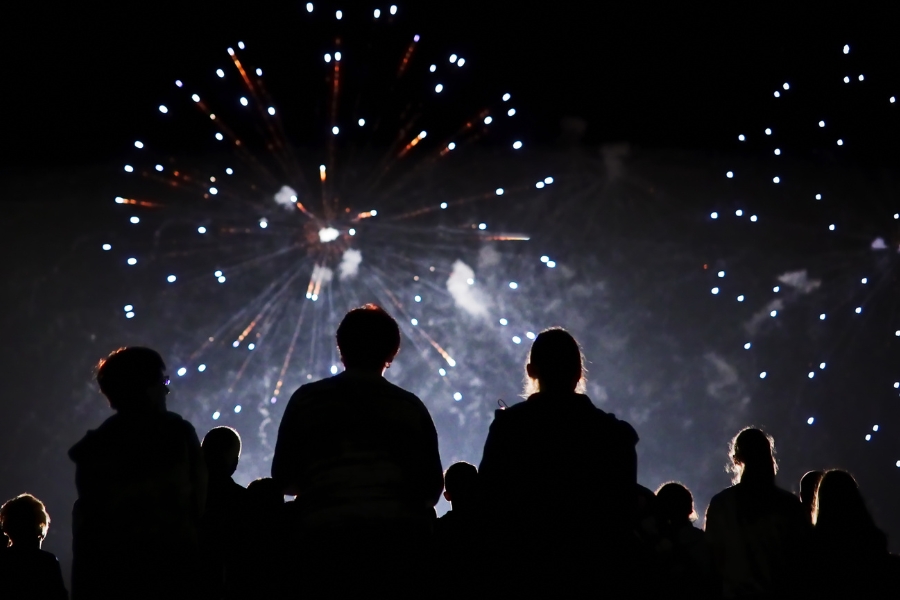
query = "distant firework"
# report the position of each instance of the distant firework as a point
(831, 273)
(260, 247)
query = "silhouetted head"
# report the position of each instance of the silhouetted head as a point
(753, 456)
(808, 485)
(555, 363)
(675, 503)
(461, 484)
(222, 451)
(840, 515)
(25, 521)
(265, 495)
(134, 378)
(368, 338)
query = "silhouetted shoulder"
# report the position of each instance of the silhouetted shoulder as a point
(578, 405)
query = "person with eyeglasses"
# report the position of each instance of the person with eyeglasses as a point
(141, 484)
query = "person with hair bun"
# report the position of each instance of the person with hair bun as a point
(758, 533)
(559, 477)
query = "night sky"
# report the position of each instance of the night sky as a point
(663, 94)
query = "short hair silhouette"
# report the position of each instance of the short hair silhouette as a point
(265, 492)
(752, 449)
(554, 362)
(221, 451)
(461, 481)
(24, 519)
(675, 502)
(808, 485)
(368, 337)
(127, 373)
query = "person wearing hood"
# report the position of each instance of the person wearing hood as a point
(141, 484)
(559, 475)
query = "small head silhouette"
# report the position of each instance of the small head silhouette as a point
(221, 451)
(675, 503)
(808, 484)
(133, 378)
(461, 484)
(368, 338)
(555, 363)
(265, 495)
(752, 455)
(25, 521)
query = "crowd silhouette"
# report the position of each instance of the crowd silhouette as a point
(553, 510)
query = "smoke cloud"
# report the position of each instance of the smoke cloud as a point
(349, 267)
(461, 285)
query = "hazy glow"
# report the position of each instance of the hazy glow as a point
(220, 73)
(741, 138)
(309, 7)
(259, 72)
(439, 88)
(432, 68)
(506, 97)
(182, 371)
(201, 229)
(163, 109)
(244, 101)
(393, 9)
(488, 120)
(138, 144)
(171, 278)
(129, 168)
(377, 12)
(729, 174)
(201, 368)
(326, 234)
(457, 396)
(220, 137)
(361, 122)
(821, 123)
(339, 15)
(516, 145)
(335, 130)
(132, 261)
(135, 220)
(499, 191)
(451, 146)
(513, 285)
(213, 191)
(107, 247)
(453, 58)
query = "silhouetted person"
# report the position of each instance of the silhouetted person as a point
(559, 477)
(221, 539)
(808, 484)
(685, 554)
(361, 456)
(265, 563)
(850, 551)
(26, 571)
(141, 489)
(757, 532)
(460, 531)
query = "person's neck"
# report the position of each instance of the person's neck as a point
(758, 475)
(367, 371)
(27, 545)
